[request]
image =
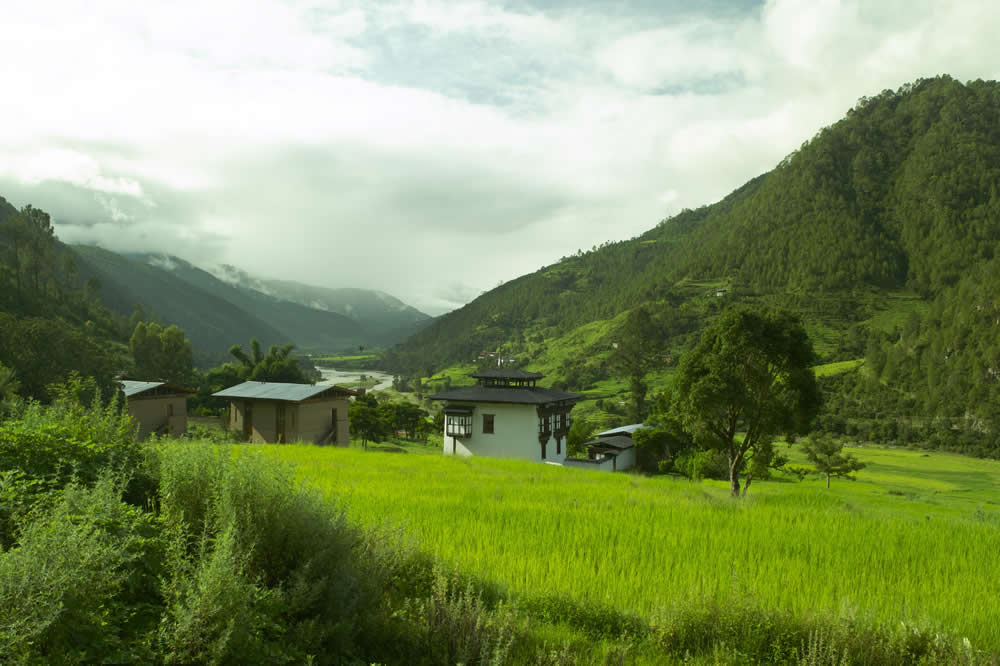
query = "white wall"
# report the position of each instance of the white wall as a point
(515, 434)
(625, 460)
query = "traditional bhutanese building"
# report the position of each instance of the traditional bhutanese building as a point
(157, 407)
(507, 415)
(276, 412)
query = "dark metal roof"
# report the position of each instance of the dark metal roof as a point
(530, 395)
(132, 387)
(506, 373)
(623, 430)
(619, 442)
(279, 391)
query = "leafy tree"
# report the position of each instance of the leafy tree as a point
(638, 348)
(44, 351)
(827, 455)
(8, 383)
(368, 421)
(162, 353)
(278, 365)
(749, 373)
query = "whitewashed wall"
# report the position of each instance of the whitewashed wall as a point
(515, 435)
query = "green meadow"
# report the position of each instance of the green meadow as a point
(915, 540)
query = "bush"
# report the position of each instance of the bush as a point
(82, 586)
(704, 464)
(259, 564)
(45, 448)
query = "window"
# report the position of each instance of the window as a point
(487, 424)
(458, 425)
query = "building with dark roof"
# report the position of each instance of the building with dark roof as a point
(157, 407)
(276, 412)
(507, 415)
(610, 451)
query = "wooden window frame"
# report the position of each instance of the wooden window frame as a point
(489, 424)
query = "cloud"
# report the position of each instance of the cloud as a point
(426, 148)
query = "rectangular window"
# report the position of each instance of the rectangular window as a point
(487, 424)
(458, 425)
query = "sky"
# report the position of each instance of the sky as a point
(431, 149)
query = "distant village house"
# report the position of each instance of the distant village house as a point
(275, 412)
(157, 407)
(610, 451)
(507, 415)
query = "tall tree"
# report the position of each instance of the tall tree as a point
(278, 365)
(638, 348)
(162, 353)
(748, 375)
(827, 455)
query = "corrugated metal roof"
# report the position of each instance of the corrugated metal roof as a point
(531, 395)
(278, 391)
(619, 442)
(622, 430)
(133, 387)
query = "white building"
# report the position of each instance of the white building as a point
(610, 451)
(507, 416)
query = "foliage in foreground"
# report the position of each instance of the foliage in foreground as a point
(195, 553)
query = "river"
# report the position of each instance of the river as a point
(334, 376)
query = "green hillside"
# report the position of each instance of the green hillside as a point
(213, 324)
(311, 329)
(887, 220)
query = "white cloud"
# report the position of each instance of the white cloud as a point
(419, 144)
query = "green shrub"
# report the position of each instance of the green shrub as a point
(248, 538)
(705, 464)
(44, 448)
(82, 586)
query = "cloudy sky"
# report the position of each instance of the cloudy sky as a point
(431, 148)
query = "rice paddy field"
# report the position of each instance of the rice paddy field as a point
(915, 539)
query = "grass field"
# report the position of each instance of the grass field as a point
(915, 539)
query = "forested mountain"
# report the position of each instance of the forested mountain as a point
(309, 328)
(900, 197)
(379, 313)
(212, 323)
(51, 323)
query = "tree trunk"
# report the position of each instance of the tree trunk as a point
(734, 481)
(746, 486)
(828, 481)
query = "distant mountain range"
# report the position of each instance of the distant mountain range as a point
(228, 306)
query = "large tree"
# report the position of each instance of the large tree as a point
(162, 353)
(638, 349)
(747, 380)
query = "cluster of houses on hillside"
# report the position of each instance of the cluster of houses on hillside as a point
(505, 415)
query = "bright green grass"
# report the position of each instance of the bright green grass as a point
(931, 554)
(828, 369)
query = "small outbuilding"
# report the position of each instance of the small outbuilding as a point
(610, 451)
(157, 407)
(276, 412)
